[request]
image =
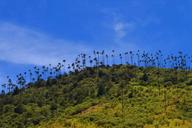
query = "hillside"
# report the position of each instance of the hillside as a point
(121, 96)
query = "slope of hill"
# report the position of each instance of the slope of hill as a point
(121, 96)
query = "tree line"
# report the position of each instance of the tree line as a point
(177, 62)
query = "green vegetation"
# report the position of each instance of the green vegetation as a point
(121, 96)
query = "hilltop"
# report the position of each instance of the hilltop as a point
(118, 96)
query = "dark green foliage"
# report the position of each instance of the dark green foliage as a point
(44, 100)
(19, 109)
(145, 77)
(101, 89)
(51, 82)
(53, 106)
(16, 91)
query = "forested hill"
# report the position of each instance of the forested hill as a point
(118, 96)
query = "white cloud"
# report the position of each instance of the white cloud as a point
(25, 46)
(116, 21)
(122, 31)
(121, 28)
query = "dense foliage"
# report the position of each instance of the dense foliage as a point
(133, 89)
(102, 96)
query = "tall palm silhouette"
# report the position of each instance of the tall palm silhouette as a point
(113, 57)
(121, 58)
(107, 60)
(138, 58)
(9, 84)
(131, 57)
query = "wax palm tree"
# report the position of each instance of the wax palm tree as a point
(121, 58)
(131, 57)
(98, 58)
(113, 57)
(44, 71)
(9, 84)
(126, 57)
(144, 59)
(95, 60)
(138, 58)
(30, 75)
(90, 61)
(35, 68)
(21, 80)
(69, 67)
(107, 60)
(63, 66)
(3, 88)
(103, 57)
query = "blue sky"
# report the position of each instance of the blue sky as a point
(38, 32)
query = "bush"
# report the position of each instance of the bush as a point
(19, 109)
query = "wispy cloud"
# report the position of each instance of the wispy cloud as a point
(122, 28)
(20, 45)
(119, 28)
(25, 46)
(120, 24)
